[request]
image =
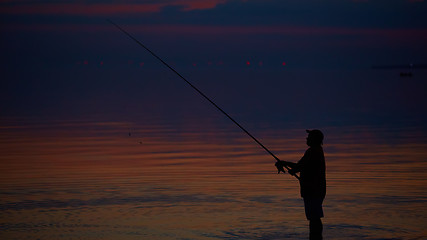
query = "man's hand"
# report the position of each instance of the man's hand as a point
(290, 166)
(279, 165)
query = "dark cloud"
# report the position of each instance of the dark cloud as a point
(372, 14)
(331, 13)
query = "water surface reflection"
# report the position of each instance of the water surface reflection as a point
(93, 180)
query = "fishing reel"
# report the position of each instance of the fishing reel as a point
(279, 166)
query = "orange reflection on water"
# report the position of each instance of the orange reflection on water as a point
(163, 181)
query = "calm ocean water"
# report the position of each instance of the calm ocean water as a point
(126, 180)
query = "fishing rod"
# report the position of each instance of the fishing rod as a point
(279, 167)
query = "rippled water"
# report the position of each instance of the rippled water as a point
(122, 180)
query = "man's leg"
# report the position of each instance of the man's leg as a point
(316, 229)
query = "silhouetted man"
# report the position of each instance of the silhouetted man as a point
(312, 181)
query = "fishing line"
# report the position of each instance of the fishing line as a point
(206, 97)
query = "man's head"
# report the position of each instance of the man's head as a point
(315, 137)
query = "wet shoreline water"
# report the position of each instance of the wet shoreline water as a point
(92, 180)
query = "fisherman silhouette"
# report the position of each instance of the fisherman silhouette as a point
(312, 181)
(311, 166)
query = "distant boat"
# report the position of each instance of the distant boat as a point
(403, 66)
(406, 74)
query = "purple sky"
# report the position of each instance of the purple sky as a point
(270, 60)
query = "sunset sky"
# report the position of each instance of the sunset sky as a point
(285, 60)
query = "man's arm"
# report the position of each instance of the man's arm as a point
(294, 166)
(290, 164)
